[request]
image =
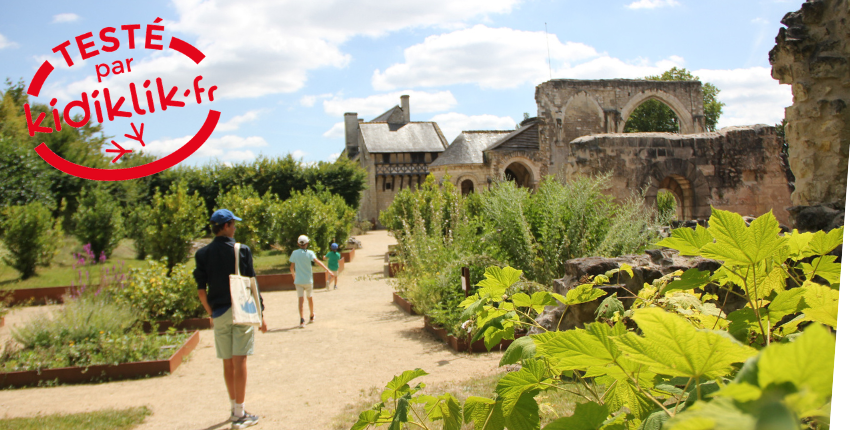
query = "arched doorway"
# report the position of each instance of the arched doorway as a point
(467, 187)
(518, 173)
(682, 190)
(652, 115)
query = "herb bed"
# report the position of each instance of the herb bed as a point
(162, 363)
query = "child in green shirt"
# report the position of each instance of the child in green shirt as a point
(332, 257)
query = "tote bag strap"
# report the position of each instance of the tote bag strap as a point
(236, 251)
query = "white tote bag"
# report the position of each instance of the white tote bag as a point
(245, 297)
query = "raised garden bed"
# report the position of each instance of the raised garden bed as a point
(39, 296)
(395, 267)
(347, 255)
(286, 282)
(404, 304)
(461, 345)
(100, 372)
(187, 324)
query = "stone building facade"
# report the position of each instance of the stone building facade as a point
(813, 56)
(578, 131)
(394, 151)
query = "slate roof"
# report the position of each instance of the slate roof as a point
(411, 137)
(524, 138)
(386, 115)
(469, 146)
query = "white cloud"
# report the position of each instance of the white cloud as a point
(420, 101)
(6, 43)
(751, 95)
(335, 132)
(452, 123)
(65, 17)
(298, 154)
(269, 47)
(607, 67)
(333, 156)
(651, 4)
(310, 100)
(488, 57)
(229, 148)
(236, 121)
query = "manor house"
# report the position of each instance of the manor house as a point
(578, 130)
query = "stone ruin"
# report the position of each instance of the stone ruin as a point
(813, 56)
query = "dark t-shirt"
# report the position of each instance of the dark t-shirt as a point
(214, 264)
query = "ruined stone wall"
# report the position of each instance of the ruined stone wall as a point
(570, 108)
(477, 173)
(738, 169)
(813, 56)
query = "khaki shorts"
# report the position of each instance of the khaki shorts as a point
(302, 288)
(232, 339)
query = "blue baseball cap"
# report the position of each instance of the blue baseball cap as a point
(222, 216)
(334, 246)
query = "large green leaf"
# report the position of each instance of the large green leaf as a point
(372, 418)
(825, 267)
(580, 349)
(445, 408)
(580, 294)
(743, 322)
(807, 362)
(486, 414)
(692, 278)
(587, 416)
(497, 280)
(798, 244)
(786, 303)
(672, 346)
(626, 394)
(738, 244)
(741, 392)
(821, 304)
(823, 243)
(401, 412)
(718, 414)
(493, 320)
(687, 241)
(399, 384)
(525, 414)
(532, 378)
(522, 348)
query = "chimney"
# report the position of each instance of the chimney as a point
(351, 128)
(405, 108)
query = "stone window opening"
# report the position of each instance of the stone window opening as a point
(518, 173)
(467, 187)
(653, 115)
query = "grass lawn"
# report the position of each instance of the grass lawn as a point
(108, 419)
(61, 272)
(554, 404)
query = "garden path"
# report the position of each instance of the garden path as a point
(297, 378)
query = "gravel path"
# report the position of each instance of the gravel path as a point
(297, 378)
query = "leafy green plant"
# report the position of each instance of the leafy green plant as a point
(174, 220)
(137, 219)
(259, 224)
(322, 216)
(31, 236)
(98, 221)
(155, 294)
(674, 360)
(665, 204)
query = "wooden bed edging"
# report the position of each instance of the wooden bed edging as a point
(404, 304)
(461, 345)
(93, 373)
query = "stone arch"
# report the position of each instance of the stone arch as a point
(584, 111)
(467, 187)
(521, 171)
(686, 182)
(686, 120)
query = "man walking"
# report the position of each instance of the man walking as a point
(214, 264)
(299, 265)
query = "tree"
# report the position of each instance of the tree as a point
(175, 219)
(30, 235)
(98, 220)
(654, 115)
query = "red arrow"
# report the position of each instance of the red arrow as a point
(139, 133)
(121, 151)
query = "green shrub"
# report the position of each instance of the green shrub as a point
(31, 237)
(98, 221)
(258, 223)
(138, 218)
(322, 216)
(665, 204)
(156, 295)
(174, 220)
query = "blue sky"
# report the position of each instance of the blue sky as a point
(287, 71)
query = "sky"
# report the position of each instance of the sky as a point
(287, 71)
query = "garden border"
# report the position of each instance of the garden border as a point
(93, 373)
(461, 345)
(185, 325)
(286, 282)
(404, 304)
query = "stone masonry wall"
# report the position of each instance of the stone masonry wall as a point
(813, 56)
(738, 169)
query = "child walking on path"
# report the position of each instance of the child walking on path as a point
(299, 265)
(332, 257)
